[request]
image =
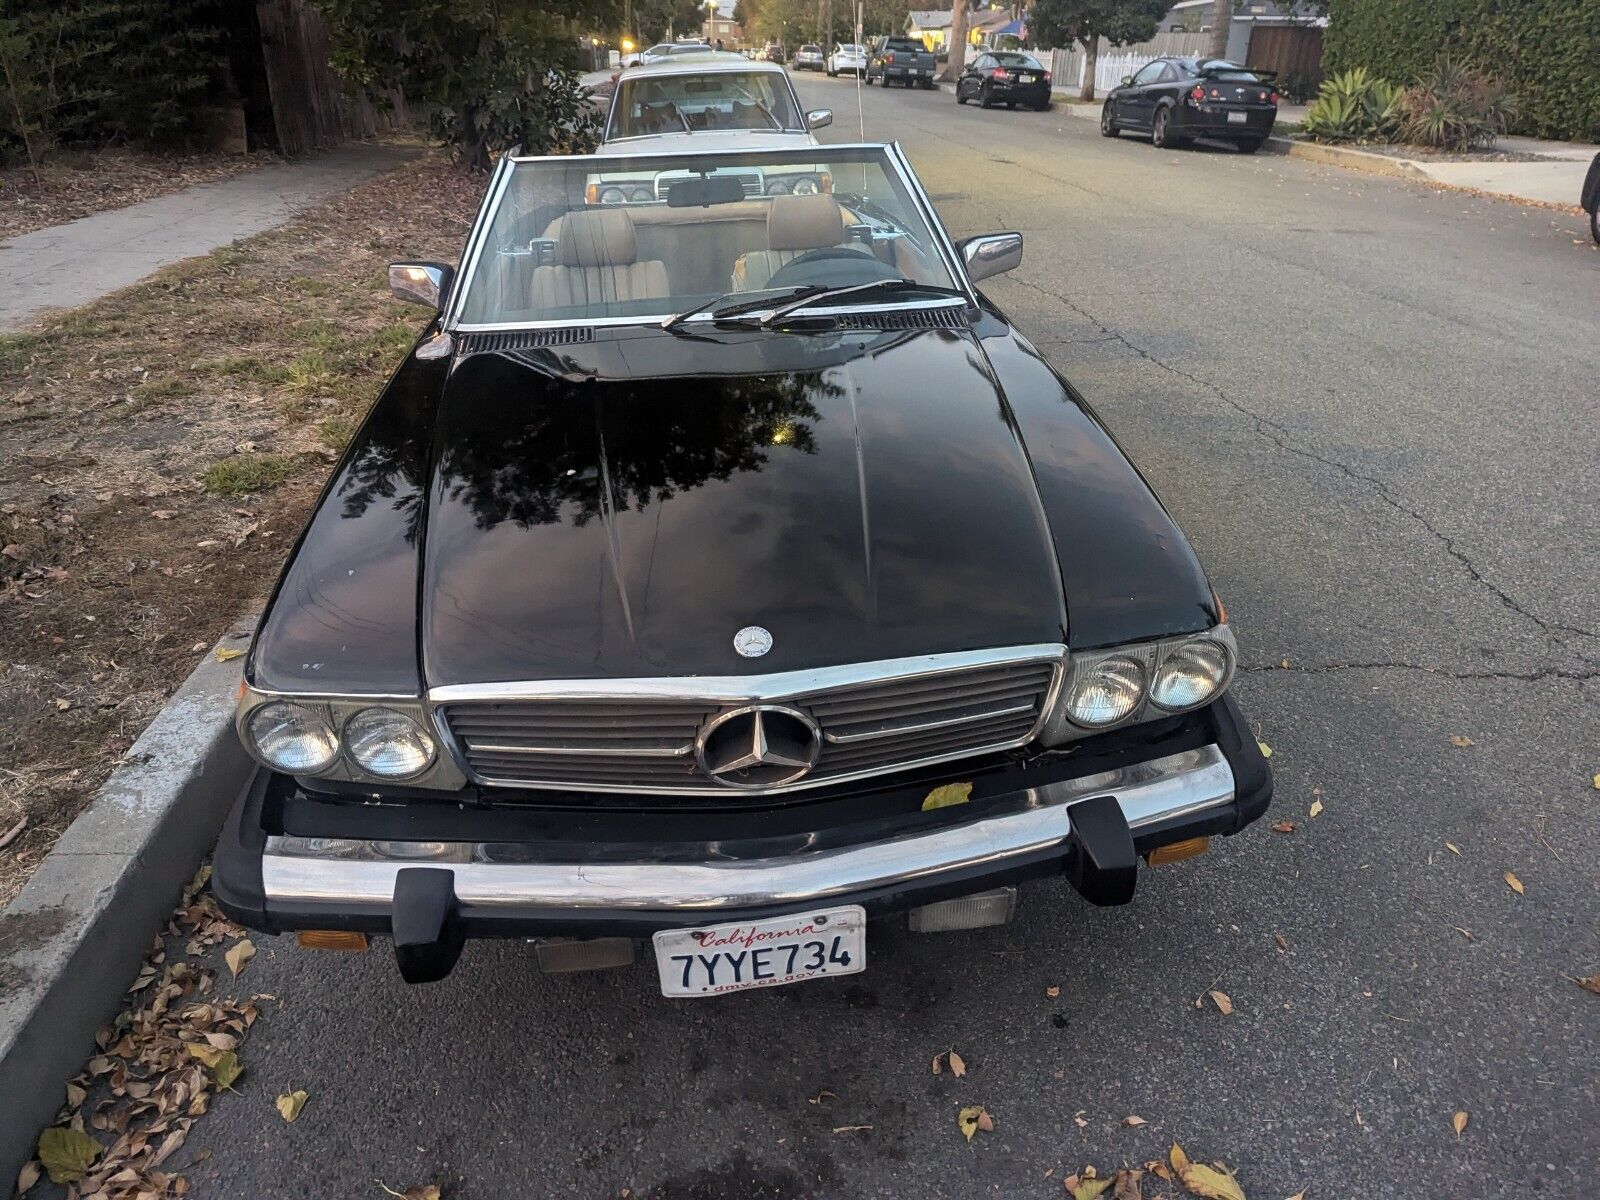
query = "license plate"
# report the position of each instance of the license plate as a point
(717, 959)
(1238, 118)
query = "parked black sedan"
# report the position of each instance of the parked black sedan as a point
(719, 571)
(1005, 77)
(1177, 99)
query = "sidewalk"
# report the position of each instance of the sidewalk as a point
(71, 264)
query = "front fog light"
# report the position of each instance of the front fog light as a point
(387, 743)
(1105, 692)
(1191, 675)
(291, 739)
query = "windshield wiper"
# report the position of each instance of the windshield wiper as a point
(897, 285)
(733, 310)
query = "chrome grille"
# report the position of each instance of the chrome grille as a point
(872, 721)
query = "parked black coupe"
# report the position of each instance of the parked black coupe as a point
(1177, 99)
(1005, 77)
(719, 570)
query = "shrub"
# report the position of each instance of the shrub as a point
(1354, 106)
(1455, 106)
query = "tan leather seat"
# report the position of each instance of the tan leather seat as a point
(795, 225)
(597, 263)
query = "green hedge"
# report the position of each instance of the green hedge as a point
(1546, 51)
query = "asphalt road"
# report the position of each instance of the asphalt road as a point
(1373, 407)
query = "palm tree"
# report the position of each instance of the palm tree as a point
(1221, 21)
(957, 43)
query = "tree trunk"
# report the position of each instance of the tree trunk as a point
(1091, 55)
(827, 27)
(957, 45)
(1221, 23)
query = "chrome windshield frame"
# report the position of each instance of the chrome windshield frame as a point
(894, 163)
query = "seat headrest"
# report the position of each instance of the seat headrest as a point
(804, 222)
(596, 238)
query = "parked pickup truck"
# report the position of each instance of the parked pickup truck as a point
(901, 60)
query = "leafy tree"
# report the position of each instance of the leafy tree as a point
(493, 73)
(656, 20)
(1061, 22)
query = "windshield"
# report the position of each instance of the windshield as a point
(849, 48)
(713, 100)
(585, 238)
(1017, 60)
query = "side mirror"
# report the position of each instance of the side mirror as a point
(427, 284)
(1126, 80)
(818, 117)
(991, 254)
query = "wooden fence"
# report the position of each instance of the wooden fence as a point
(1288, 50)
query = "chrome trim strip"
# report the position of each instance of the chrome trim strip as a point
(734, 689)
(847, 739)
(655, 319)
(476, 237)
(1029, 822)
(952, 258)
(622, 752)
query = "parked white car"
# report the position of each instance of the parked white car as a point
(686, 100)
(847, 57)
(660, 51)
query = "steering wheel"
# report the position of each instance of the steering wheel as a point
(834, 266)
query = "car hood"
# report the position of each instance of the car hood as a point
(708, 139)
(619, 510)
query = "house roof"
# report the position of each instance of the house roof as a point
(929, 18)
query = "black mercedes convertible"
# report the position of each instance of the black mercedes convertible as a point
(720, 572)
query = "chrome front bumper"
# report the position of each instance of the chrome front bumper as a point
(319, 874)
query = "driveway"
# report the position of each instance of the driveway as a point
(1372, 406)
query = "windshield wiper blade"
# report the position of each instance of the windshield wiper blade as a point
(897, 285)
(733, 310)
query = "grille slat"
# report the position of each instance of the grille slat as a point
(627, 744)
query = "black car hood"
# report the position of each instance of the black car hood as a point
(861, 496)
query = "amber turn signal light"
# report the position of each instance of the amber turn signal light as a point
(331, 939)
(1178, 851)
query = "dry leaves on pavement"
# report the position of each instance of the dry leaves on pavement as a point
(1283, 827)
(1459, 1122)
(290, 1104)
(238, 954)
(1214, 1182)
(428, 1191)
(1460, 742)
(958, 1065)
(1222, 1001)
(973, 1119)
(1590, 983)
(1513, 883)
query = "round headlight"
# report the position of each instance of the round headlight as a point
(805, 187)
(612, 195)
(384, 742)
(1106, 692)
(1191, 675)
(777, 187)
(291, 739)
(640, 194)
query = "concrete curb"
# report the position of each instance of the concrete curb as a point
(73, 939)
(1344, 156)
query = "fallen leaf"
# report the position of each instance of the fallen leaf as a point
(972, 1118)
(1266, 750)
(1052, 992)
(1126, 1186)
(946, 796)
(1132, 1121)
(1283, 942)
(1177, 1157)
(290, 1104)
(1220, 999)
(1591, 984)
(1212, 1183)
(1086, 1186)
(67, 1153)
(958, 1065)
(225, 654)
(1316, 808)
(1513, 883)
(227, 1069)
(238, 954)
(1460, 742)
(850, 1128)
(1452, 847)
(1283, 827)
(938, 1063)
(1079, 1122)
(1596, 782)
(1298, 1196)
(1458, 1122)
(29, 1175)
(209, 1055)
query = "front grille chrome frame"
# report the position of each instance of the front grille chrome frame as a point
(713, 693)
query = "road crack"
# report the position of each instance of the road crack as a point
(1279, 436)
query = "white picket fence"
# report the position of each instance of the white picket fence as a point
(1113, 62)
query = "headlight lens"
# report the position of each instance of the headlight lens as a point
(641, 194)
(805, 187)
(1191, 675)
(611, 195)
(777, 187)
(1106, 692)
(293, 739)
(388, 744)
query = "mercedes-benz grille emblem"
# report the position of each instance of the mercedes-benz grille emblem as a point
(752, 641)
(760, 746)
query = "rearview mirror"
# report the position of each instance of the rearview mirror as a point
(706, 190)
(818, 117)
(427, 284)
(991, 254)
(1127, 79)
